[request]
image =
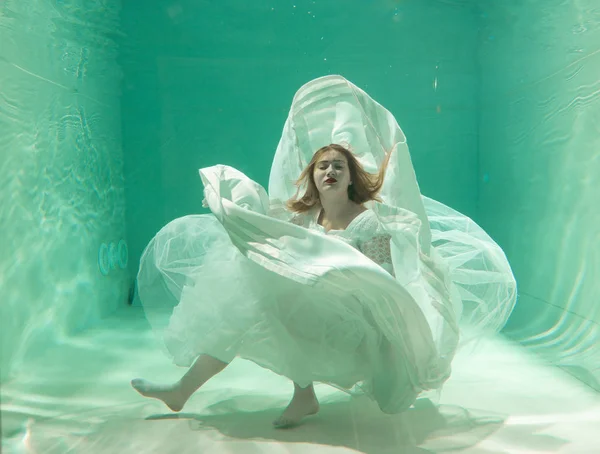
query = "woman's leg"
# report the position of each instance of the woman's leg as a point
(175, 396)
(304, 403)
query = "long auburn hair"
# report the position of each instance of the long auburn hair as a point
(365, 186)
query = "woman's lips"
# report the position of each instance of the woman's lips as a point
(331, 180)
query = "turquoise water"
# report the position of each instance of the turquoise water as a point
(108, 109)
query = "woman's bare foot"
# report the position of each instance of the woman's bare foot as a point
(304, 403)
(170, 394)
(175, 396)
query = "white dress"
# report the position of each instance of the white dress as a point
(374, 309)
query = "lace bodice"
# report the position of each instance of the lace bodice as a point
(364, 233)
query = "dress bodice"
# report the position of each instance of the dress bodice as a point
(365, 233)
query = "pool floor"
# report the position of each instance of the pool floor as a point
(77, 399)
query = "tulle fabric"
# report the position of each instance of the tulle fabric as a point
(478, 270)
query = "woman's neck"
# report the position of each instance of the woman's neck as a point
(336, 213)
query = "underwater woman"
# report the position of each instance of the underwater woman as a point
(337, 279)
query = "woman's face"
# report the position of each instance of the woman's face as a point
(331, 174)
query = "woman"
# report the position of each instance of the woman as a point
(346, 285)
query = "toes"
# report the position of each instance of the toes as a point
(285, 423)
(139, 385)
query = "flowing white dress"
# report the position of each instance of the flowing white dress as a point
(374, 309)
